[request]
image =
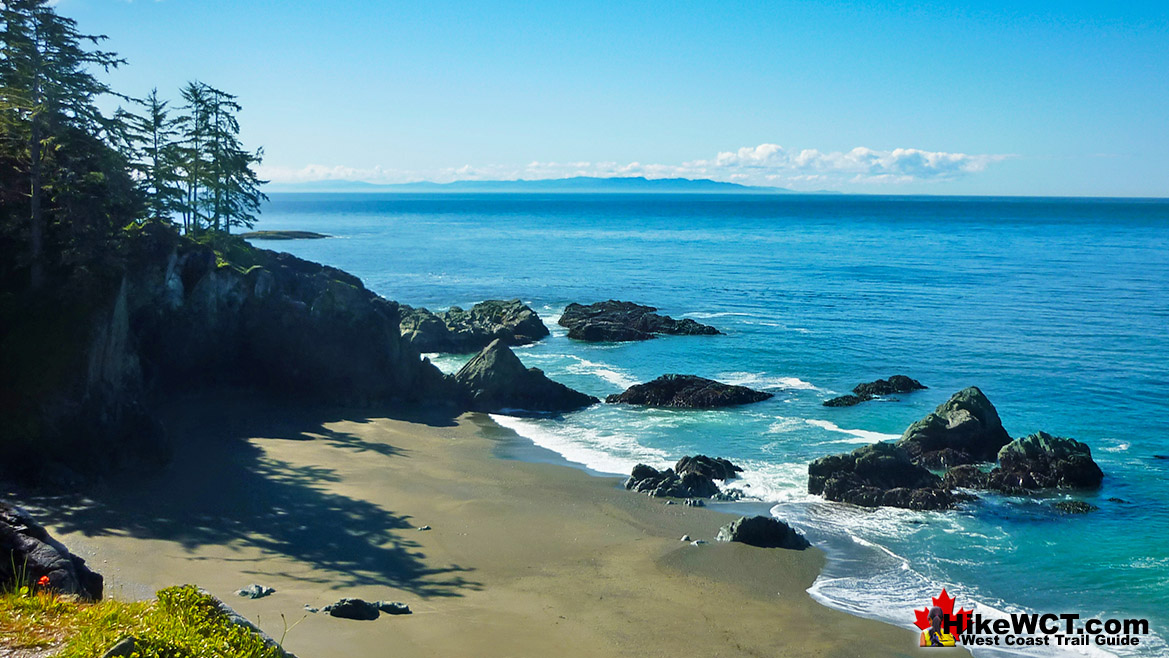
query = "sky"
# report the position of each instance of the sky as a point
(998, 98)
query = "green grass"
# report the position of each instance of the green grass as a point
(181, 622)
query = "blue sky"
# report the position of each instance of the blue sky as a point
(879, 97)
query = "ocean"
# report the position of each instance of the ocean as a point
(1058, 309)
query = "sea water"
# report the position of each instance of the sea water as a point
(1058, 309)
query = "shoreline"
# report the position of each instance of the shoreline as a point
(524, 557)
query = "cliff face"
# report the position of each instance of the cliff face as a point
(176, 316)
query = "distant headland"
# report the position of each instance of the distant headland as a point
(577, 184)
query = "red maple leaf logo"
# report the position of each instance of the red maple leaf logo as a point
(946, 603)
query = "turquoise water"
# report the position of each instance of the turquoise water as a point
(1057, 309)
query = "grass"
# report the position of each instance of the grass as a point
(182, 622)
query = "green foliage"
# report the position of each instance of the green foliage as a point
(182, 623)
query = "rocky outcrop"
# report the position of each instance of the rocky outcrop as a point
(691, 477)
(459, 332)
(687, 392)
(877, 475)
(351, 608)
(1074, 507)
(614, 321)
(1038, 461)
(715, 468)
(177, 315)
(1043, 461)
(496, 380)
(963, 430)
(28, 553)
(872, 390)
(764, 532)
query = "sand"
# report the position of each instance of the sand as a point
(522, 558)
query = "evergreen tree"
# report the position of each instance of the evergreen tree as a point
(46, 93)
(155, 157)
(193, 127)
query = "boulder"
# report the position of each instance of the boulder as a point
(255, 591)
(358, 609)
(967, 425)
(28, 553)
(846, 401)
(614, 321)
(687, 392)
(1043, 461)
(715, 468)
(895, 384)
(461, 331)
(764, 532)
(393, 607)
(880, 474)
(671, 484)
(495, 380)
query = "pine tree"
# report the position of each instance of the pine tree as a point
(47, 90)
(193, 127)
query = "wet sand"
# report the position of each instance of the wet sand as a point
(522, 558)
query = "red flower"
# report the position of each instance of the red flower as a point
(43, 582)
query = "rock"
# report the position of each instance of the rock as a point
(729, 495)
(847, 401)
(871, 390)
(876, 475)
(895, 384)
(1043, 461)
(1160, 456)
(685, 538)
(123, 648)
(27, 551)
(393, 607)
(1118, 500)
(255, 591)
(668, 484)
(694, 502)
(282, 235)
(614, 321)
(687, 392)
(424, 528)
(495, 380)
(458, 331)
(698, 542)
(967, 476)
(312, 609)
(353, 609)
(764, 532)
(715, 468)
(966, 425)
(1074, 507)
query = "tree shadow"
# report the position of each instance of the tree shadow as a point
(222, 489)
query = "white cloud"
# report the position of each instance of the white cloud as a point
(765, 164)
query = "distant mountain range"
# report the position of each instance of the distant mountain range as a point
(578, 184)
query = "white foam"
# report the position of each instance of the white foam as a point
(1121, 447)
(762, 380)
(862, 436)
(606, 452)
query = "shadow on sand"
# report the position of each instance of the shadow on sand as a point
(221, 489)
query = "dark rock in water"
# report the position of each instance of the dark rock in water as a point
(393, 607)
(694, 502)
(946, 458)
(668, 484)
(895, 384)
(715, 468)
(687, 392)
(1160, 456)
(255, 591)
(614, 321)
(496, 380)
(459, 331)
(1043, 461)
(847, 401)
(870, 390)
(282, 235)
(353, 609)
(1075, 507)
(729, 495)
(967, 425)
(762, 531)
(878, 475)
(27, 550)
(1118, 500)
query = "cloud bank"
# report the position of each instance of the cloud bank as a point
(765, 164)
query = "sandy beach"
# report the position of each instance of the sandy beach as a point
(522, 558)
